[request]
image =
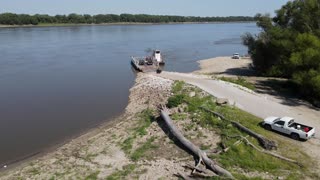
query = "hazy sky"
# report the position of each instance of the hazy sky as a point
(160, 7)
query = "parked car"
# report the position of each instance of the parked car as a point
(236, 56)
(149, 60)
(141, 62)
(286, 125)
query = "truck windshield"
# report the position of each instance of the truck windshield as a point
(276, 120)
(290, 122)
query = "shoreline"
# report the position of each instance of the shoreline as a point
(84, 134)
(104, 135)
(111, 135)
(107, 124)
(120, 23)
(96, 130)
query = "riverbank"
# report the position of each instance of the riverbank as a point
(111, 24)
(225, 66)
(105, 149)
(113, 147)
(137, 146)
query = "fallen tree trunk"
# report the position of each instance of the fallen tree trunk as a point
(191, 147)
(265, 143)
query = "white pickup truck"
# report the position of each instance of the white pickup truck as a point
(287, 126)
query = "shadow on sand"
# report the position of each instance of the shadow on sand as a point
(243, 71)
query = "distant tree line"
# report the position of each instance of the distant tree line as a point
(289, 46)
(25, 19)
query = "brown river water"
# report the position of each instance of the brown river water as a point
(56, 82)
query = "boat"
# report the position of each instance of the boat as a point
(158, 57)
(151, 63)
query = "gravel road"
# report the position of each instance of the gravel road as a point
(257, 104)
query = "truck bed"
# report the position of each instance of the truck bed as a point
(301, 127)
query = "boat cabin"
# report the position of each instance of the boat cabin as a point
(157, 56)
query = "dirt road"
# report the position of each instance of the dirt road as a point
(257, 104)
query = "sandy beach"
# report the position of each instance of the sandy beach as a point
(102, 152)
(225, 66)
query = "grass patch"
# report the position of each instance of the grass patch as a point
(145, 119)
(190, 126)
(195, 102)
(179, 116)
(93, 176)
(122, 174)
(240, 81)
(205, 147)
(176, 100)
(247, 158)
(34, 171)
(177, 86)
(140, 151)
(244, 156)
(126, 146)
(90, 156)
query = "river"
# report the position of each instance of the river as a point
(56, 82)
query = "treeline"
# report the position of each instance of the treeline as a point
(25, 19)
(289, 45)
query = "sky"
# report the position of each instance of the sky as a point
(160, 7)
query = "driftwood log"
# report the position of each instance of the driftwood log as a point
(265, 143)
(193, 148)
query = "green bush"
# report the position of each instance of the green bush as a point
(177, 86)
(176, 100)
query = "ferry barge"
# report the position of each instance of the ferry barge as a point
(148, 63)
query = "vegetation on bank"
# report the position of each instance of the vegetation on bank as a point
(242, 160)
(289, 46)
(121, 174)
(146, 117)
(240, 81)
(38, 19)
(149, 147)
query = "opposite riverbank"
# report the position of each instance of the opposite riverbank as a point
(111, 24)
(137, 145)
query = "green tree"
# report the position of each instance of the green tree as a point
(88, 18)
(21, 19)
(289, 45)
(75, 18)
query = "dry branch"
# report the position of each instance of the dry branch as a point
(266, 143)
(199, 169)
(191, 147)
(180, 175)
(270, 153)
